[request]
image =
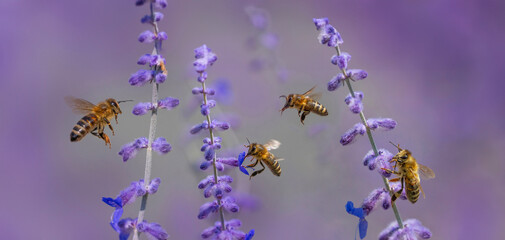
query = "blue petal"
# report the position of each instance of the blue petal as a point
(358, 212)
(249, 235)
(124, 235)
(241, 158)
(363, 225)
(242, 169)
(116, 203)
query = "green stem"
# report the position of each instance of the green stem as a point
(221, 213)
(372, 142)
(152, 133)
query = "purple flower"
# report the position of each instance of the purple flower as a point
(376, 196)
(382, 162)
(205, 108)
(129, 150)
(148, 19)
(229, 204)
(320, 22)
(142, 108)
(381, 123)
(341, 60)
(152, 188)
(258, 17)
(336, 82)
(360, 213)
(327, 34)
(168, 103)
(162, 36)
(230, 231)
(208, 208)
(198, 127)
(220, 125)
(350, 135)
(357, 74)
(157, 3)
(160, 77)
(161, 146)
(125, 227)
(202, 78)
(204, 58)
(141, 77)
(231, 161)
(354, 103)
(412, 230)
(153, 229)
(147, 36)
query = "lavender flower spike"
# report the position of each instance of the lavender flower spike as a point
(412, 229)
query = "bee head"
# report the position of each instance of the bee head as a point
(114, 105)
(402, 156)
(289, 102)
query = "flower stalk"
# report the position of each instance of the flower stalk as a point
(372, 142)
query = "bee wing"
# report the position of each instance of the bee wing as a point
(308, 92)
(78, 105)
(272, 144)
(426, 172)
(315, 96)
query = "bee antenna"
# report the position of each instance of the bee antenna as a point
(248, 141)
(124, 101)
(397, 146)
(284, 96)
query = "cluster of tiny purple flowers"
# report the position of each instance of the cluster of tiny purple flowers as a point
(266, 41)
(214, 185)
(156, 74)
(375, 159)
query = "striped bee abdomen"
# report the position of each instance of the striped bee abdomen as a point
(412, 191)
(83, 127)
(274, 165)
(317, 108)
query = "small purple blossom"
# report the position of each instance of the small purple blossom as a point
(376, 196)
(157, 3)
(141, 77)
(160, 77)
(327, 34)
(147, 37)
(341, 60)
(230, 231)
(351, 134)
(125, 227)
(381, 123)
(357, 74)
(205, 108)
(129, 150)
(354, 103)
(220, 125)
(152, 188)
(153, 229)
(161, 146)
(168, 103)
(198, 127)
(230, 161)
(148, 19)
(382, 162)
(412, 230)
(202, 78)
(258, 17)
(142, 108)
(204, 58)
(336, 82)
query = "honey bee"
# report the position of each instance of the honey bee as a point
(409, 171)
(97, 116)
(261, 154)
(305, 103)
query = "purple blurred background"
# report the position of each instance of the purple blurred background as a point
(434, 66)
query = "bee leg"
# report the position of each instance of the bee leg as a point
(253, 164)
(257, 171)
(394, 180)
(302, 109)
(115, 116)
(398, 193)
(103, 136)
(110, 126)
(304, 114)
(106, 139)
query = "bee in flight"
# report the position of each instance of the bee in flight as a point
(305, 103)
(261, 154)
(95, 118)
(408, 173)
